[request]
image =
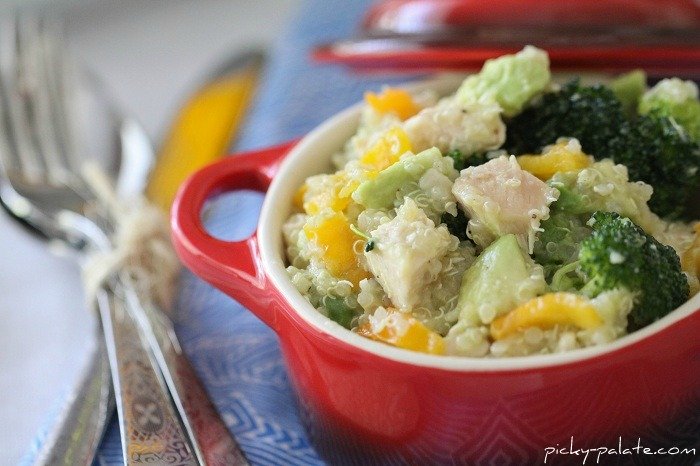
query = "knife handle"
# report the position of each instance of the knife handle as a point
(212, 442)
(76, 437)
(150, 429)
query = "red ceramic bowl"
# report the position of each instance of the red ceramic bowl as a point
(364, 402)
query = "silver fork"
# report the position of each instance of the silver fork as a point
(209, 438)
(39, 183)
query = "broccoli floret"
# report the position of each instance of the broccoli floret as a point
(604, 186)
(559, 241)
(566, 278)
(462, 161)
(338, 311)
(628, 88)
(657, 151)
(571, 199)
(618, 254)
(654, 147)
(677, 99)
(592, 115)
(457, 226)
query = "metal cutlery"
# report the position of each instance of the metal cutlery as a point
(40, 184)
(164, 411)
(74, 438)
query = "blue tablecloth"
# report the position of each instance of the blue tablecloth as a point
(236, 356)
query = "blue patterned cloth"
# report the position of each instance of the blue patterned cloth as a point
(236, 356)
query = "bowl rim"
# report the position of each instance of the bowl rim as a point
(325, 139)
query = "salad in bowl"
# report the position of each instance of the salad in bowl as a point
(411, 248)
(516, 216)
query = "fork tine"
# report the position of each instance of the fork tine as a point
(16, 81)
(8, 161)
(36, 52)
(34, 85)
(58, 95)
(12, 168)
(44, 98)
(8, 55)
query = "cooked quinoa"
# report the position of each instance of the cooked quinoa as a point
(430, 235)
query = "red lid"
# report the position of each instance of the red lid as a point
(411, 16)
(662, 37)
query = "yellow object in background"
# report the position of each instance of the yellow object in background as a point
(204, 128)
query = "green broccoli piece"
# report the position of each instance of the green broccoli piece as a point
(653, 147)
(462, 161)
(618, 254)
(628, 88)
(566, 278)
(604, 186)
(593, 115)
(557, 245)
(559, 241)
(457, 226)
(338, 311)
(571, 199)
(657, 151)
(676, 99)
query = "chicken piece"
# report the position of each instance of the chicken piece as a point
(449, 125)
(501, 198)
(406, 254)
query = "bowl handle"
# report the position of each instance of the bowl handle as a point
(232, 266)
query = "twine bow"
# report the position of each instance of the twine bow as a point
(140, 244)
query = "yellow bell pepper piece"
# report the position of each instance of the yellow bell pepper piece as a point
(336, 197)
(298, 199)
(690, 260)
(546, 312)
(404, 331)
(387, 150)
(558, 158)
(393, 100)
(337, 242)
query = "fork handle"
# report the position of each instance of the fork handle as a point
(212, 442)
(75, 439)
(150, 429)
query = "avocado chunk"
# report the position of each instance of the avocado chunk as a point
(509, 80)
(379, 193)
(500, 279)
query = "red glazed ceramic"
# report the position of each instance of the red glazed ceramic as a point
(364, 402)
(612, 35)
